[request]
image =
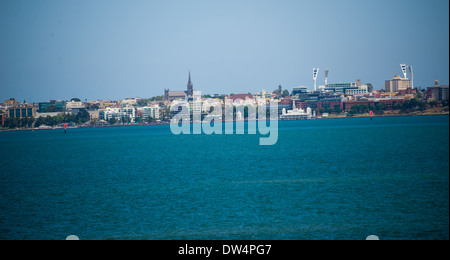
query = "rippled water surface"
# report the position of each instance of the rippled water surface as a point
(324, 179)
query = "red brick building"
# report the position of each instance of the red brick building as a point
(389, 103)
(348, 104)
(330, 105)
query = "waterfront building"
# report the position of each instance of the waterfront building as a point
(396, 84)
(348, 104)
(296, 113)
(128, 113)
(195, 104)
(389, 102)
(178, 105)
(150, 111)
(21, 111)
(280, 108)
(303, 105)
(330, 103)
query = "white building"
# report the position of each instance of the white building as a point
(361, 90)
(150, 111)
(195, 105)
(74, 105)
(296, 113)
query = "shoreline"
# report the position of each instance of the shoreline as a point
(168, 123)
(388, 115)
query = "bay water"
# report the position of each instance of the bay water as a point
(324, 179)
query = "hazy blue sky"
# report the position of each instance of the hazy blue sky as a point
(115, 49)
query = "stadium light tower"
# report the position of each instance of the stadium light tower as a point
(326, 76)
(403, 66)
(315, 72)
(410, 69)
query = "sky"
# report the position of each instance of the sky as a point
(109, 49)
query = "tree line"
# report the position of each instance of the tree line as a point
(28, 122)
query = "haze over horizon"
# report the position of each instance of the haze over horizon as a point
(103, 49)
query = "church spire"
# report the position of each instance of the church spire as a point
(190, 86)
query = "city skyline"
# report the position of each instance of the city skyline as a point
(116, 49)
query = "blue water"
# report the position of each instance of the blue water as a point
(324, 179)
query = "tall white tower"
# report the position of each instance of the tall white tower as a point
(315, 72)
(403, 66)
(326, 76)
(410, 69)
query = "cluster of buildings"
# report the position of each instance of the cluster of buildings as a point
(302, 103)
(126, 110)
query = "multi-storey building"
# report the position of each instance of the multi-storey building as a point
(360, 90)
(118, 113)
(150, 111)
(438, 93)
(396, 84)
(21, 111)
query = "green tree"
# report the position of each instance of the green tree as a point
(82, 116)
(379, 107)
(278, 91)
(433, 103)
(11, 123)
(113, 121)
(337, 110)
(397, 106)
